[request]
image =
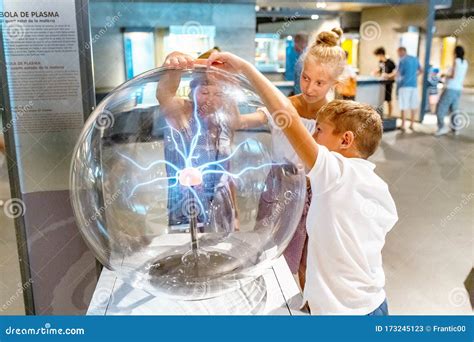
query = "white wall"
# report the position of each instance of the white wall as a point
(463, 29)
(383, 21)
(293, 27)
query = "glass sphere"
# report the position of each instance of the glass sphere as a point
(175, 188)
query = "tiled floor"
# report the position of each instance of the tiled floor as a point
(427, 255)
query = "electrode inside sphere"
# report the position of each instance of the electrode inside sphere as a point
(190, 176)
(160, 174)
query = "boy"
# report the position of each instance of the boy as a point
(387, 70)
(351, 209)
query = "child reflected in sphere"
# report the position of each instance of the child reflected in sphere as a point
(200, 131)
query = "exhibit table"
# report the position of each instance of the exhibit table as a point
(274, 293)
(371, 90)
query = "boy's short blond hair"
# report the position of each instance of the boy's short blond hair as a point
(361, 119)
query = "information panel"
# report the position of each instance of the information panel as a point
(47, 72)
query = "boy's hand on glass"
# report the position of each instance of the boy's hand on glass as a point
(179, 60)
(226, 61)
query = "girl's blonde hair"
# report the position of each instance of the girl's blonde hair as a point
(326, 50)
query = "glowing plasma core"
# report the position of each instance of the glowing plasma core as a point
(190, 176)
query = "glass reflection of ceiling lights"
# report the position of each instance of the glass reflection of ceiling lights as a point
(191, 38)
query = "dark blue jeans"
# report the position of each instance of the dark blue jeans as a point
(382, 310)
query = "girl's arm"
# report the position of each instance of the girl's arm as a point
(167, 87)
(169, 82)
(277, 104)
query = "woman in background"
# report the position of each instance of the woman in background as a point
(449, 101)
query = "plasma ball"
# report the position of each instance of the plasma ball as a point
(190, 176)
(189, 209)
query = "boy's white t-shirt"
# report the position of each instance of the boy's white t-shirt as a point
(351, 211)
(281, 147)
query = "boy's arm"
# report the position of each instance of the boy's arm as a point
(282, 110)
(376, 72)
(284, 115)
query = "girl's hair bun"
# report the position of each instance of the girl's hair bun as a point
(329, 38)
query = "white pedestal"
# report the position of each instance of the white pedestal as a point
(275, 293)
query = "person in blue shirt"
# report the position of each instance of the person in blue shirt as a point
(432, 89)
(295, 62)
(408, 70)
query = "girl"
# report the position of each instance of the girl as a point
(323, 65)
